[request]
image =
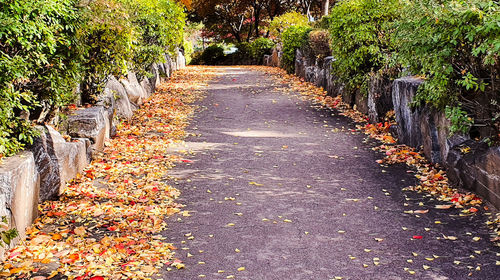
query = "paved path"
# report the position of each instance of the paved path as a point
(287, 191)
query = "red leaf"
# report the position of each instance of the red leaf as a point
(417, 237)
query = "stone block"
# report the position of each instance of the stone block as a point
(91, 123)
(134, 90)
(300, 64)
(361, 102)
(72, 157)
(407, 116)
(379, 98)
(147, 87)
(181, 60)
(155, 80)
(119, 95)
(19, 190)
(478, 169)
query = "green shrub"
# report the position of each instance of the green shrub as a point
(455, 45)
(39, 64)
(319, 42)
(360, 39)
(212, 55)
(260, 47)
(188, 51)
(293, 38)
(108, 38)
(279, 24)
(159, 25)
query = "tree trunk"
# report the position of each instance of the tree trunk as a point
(325, 7)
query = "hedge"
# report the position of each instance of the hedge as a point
(48, 47)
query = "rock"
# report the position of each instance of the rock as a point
(155, 80)
(47, 165)
(332, 86)
(379, 98)
(300, 64)
(134, 90)
(19, 190)
(475, 166)
(72, 157)
(168, 66)
(91, 123)
(361, 102)
(181, 60)
(122, 106)
(147, 87)
(407, 117)
(276, 57)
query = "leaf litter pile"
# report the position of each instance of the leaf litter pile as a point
(432, 178)
(107, 223)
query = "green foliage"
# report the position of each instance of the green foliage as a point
(454, 44)
(159, 25)
(279, 24)
(188, 51)
(6, 234)
(360, 38)
(49, 46)
(293, 38)
(460, 121)
(212, 55)
(319, 42)
(108, 38)
(259, 47)
(39, 63)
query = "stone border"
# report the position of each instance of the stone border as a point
(469, 164)
(41, 172)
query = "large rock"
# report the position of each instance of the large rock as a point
(120, 99)
(300, 64)
(91, 123)
(276, 57)
(168, 67)
(181, 60)
(47, 164)
(134, 90)
(475, 166)
(407, 116)
(379, 98)
(332, 85)
(19, 190)
(147, 87)
(155, 80)
(361, 102)
(72, 157)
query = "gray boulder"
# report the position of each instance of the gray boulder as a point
(91, 123)
(118, 94)
(379, 98)
(134, 90)
(407, 117)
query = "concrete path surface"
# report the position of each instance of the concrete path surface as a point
(279, 189)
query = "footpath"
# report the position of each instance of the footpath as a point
(278, 188)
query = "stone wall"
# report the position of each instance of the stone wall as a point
(469, 164)
(41, 172)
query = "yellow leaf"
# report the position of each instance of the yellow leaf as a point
(241, 268)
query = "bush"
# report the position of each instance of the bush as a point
(39, 64)
(212, 55)
(456, 46)
(319, 42)
(49, 46)
(279, 24)
(260, 47)
(159, 25)
(188, 51)
(360, 39)
(108, 38)
(293, 38)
